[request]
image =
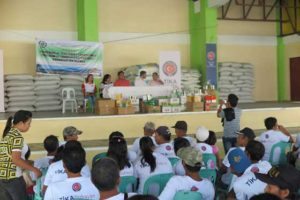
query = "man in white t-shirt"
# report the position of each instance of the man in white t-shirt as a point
(149, 129)
(106, 177)
(141, 80)
(56, 171)
(75, 186)
(162, 137)
(191, 159)
(275, 133)
(181, 131)
(70, 133)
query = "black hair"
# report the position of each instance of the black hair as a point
(88, 76)
(166, 137)
(233, 100)
(19, 116)
(270, 122)
(58, 155)
(70, 144)
(105, 174)
(180, 143)
(51, 143)
(265, 196)
(155, 73)
(73, 143)
(212, 138)
(105, 77)
(74, 159)
(120, 72)
(146, 146)
(117, 150)
(256, 150)
(192, 169)
(142, 72)
(143, 197)
(28, 153)
(115, 134)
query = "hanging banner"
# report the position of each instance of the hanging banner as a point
(69, 57)
(2, 94)
(211, 63)
(170, 68)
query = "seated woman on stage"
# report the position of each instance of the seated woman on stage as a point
(89, 90)
(105, 85)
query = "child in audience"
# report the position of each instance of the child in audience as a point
(150, 163)
(181, 128)
(162, 138)
(75, 186)
(106, 177)
(117, 150)
(178, 144)
(191, 159)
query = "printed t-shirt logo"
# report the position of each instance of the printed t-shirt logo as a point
(194, 189)
(255, 169)
(76, 187)
(203, 148)
(168, 148)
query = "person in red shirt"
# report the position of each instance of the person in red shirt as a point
(121, 81)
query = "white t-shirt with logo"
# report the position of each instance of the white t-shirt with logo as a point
(136, 145)
(43, 162)
(269, 138)
(204, 148)
(178, 168)
(56, 172)
(262, 167)
(72, 188)
(165, 149)
(121, 196)
(127, 171)
(177, 183)
(143, 171)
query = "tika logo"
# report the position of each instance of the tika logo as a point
(267, 136)
(194, 189)
(203, 148)
(255, 169)
(168, 148)
(76, 187)
(170, 68)
(237, 159)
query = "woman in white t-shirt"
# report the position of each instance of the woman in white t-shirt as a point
(89, 90)
(150, 163)
(105, 85)
(117, 150)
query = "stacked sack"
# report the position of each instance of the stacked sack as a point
(47, 90)
(190, 79)
(237, 78)
(19, 92)
(73, 81)
(132, 72)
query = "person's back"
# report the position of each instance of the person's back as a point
(162, 137)
(202, 135)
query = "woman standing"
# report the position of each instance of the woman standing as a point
(89, 90)
(12, 155)
(105, 85)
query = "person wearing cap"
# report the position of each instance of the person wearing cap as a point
(149, 129)
(191, 159)
(231, 120)
(70, 133)
(282, 181)
(181, 131)
(275, 133)
(245, 185)
(162, 137)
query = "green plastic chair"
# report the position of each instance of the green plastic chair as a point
(127, 181)
(209, 160)
(99, 156)
(210, 174)
(159, 180)
(38, 195)
(281, 148)
(187, 195)
(173, 160)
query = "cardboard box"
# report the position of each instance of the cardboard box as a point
(211, 106)
(105, 111)
(166, 109)
(176, 109)
(194, 106)
(163, 101)
(174, 101)
(152, 109)
(126, 110)
(105, 107)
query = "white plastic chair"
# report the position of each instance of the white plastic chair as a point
(68, 95)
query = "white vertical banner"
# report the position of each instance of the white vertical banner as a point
(170, 68)
(1, 82)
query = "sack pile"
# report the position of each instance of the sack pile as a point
(190, 79)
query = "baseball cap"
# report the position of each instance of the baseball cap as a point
(182, 125)
(71, 130)
(191, 156)
(285, 177)
(202, 134)
(163, 130)
(238, 160)
(247, 132)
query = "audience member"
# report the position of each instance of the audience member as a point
(70, 133)
(106, 177)
(150, 163)
(12, 155)
(141, 80)
(265, 196)
(121, 81)
(191, 159)
(74, 186)
(178, 144)
(162, 138)
(181, 128)
(156, 81)
(275, 133)
(105, 85)
(231, 121)
(143, 197)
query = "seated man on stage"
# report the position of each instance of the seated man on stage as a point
(121, 81)
(89, 91)
(156, 80)
(141, 81)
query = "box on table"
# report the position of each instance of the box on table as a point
(105, 107)
(126, 110)
(194, 106)
(176, 109)
(174, 101)
(152, 109)
(210, 103)
(166, 109)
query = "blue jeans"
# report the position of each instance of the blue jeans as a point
(228, 142)
(91, 100)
